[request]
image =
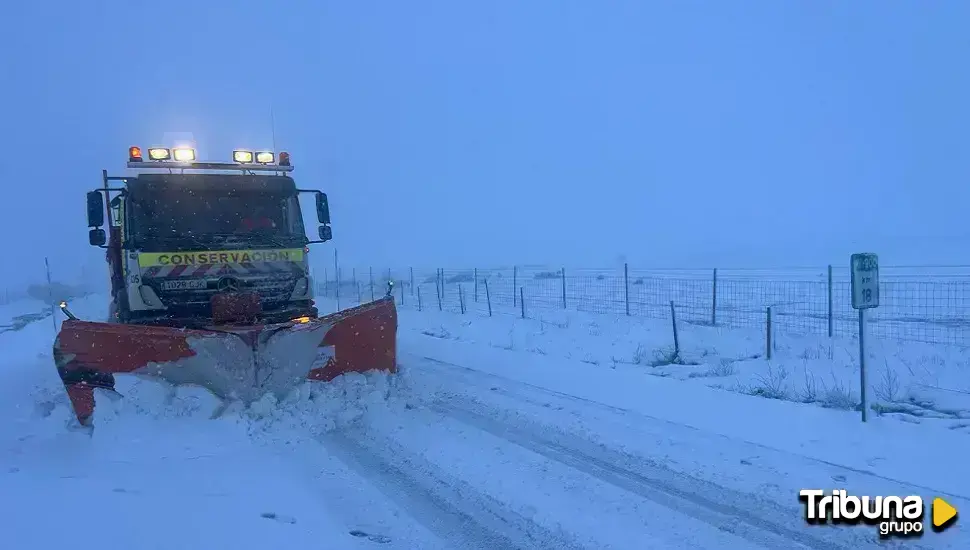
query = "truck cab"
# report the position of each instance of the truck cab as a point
(194, 244)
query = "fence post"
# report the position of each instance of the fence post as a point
(360, 299)
(441, 278)
(419, 298)
(476, 284)
(626, 287)
(515, 283)
(439, 300)
(830, 300)
(488, 298)
(370, 273)
(389, 276)
(411, 279)
(50, 293)
(768, 335)
(522, 299)
(714, 301)
(461, 299)
(437, 282)
(673, 321)
(336, 286)
(564, 288)
(402, 294)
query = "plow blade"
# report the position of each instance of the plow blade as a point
(234, 362)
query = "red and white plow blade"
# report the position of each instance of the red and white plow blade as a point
(241, 363)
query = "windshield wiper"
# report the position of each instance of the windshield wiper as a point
(196, 240)
(156, 236)
(251, 238)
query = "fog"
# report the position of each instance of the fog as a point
(676, 133)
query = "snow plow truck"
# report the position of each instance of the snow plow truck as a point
(211, 286)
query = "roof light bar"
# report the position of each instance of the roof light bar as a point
(184, 158)
(197, 165)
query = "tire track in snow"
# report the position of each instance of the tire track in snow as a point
(443, 503)
(479, 378)
(19, 322)
(740, 514)
(652, 483)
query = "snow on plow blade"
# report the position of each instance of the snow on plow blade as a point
(237, 362)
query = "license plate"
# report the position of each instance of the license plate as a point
(188, 284)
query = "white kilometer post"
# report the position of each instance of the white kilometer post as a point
(865, 295)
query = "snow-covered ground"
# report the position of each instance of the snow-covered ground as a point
(910, 382)
(18, 313)
(497, 433)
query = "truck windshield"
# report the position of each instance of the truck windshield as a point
(172, 213)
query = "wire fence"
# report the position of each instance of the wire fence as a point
(921, 303)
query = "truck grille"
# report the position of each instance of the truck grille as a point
(272, 291)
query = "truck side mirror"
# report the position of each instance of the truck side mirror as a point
(95, 209)
(323, 208)
(325, 233)
(96, 237)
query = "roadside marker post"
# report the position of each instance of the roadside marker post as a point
(865, 295)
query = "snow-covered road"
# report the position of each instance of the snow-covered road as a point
(468, 447)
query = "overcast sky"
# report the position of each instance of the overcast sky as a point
(677, 133)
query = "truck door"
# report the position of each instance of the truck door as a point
(115, 240)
